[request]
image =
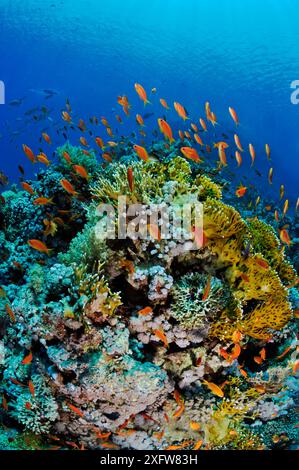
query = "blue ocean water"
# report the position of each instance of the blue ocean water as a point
(243, 54)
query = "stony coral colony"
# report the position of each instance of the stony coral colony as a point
(142, 344)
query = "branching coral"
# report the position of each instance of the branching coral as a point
(190, 308)
(36, 413)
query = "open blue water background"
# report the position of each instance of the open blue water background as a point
(243, 54)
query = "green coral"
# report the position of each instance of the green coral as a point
(78, 157)
(188, 306)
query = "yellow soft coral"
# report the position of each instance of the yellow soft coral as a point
(221, 220)
(207, 188)
(272, 314)
(257, 282)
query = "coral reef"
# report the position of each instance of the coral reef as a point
(143, 342)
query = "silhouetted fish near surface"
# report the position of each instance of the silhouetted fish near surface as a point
(31, 111)
(16, 102)
(50, 92)
(147, 115)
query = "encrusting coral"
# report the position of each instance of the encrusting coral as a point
(142, 343)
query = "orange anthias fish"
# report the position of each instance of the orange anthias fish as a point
(267, 149)
(237, 336)
(263, 354)
(284, 237)
(42, 158)
(213, 119)
(159, 435)
(285, 208)
(270, 175)
(104, 121)
(166, 130)
(191, 153)
(139, 120)
(42, 201)
(164, 103)
(106, 156)
(258, 360)
(179, 399)
(222, 156)
(145, 311)
(207, 289)
(66, 117)
(221, 144)
(67, 157)
(84, 142)
(27, 187)
(285, 352)
(262, 263)
(179, 446)
(10, 313)
(161, 335)
(68, 187)
(27, 359)
(141, 93)
(81, 171)
(276, 215)
(252, 153)
(154, 232)
(198, 139)
(233, 114)
(100, 142)
(16, 382)
(194, 127)
(180, 110)
(214, 388)
(39, 246)
(28, 152)
(194, 426)
(4, 403)
(235, 352)
(203, 124)
(241, 191)
(123, 101)
(82, 125)
(281, 191)
(141, 152)
(238, 158)
(238, 143)
(130, 177)
(47, 138)
(76, 410)
(198, 444)
(31, 388)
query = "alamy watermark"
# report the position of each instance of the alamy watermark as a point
(2, 92)
(154, 222)
(295, 93)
